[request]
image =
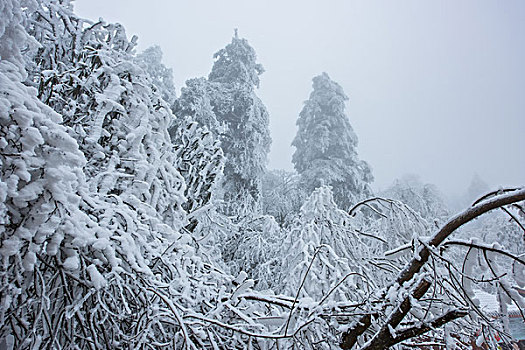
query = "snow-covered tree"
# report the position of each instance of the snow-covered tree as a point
(246, 138)
(117, 117)
(403, 308)
(326, 145)
(323, 262)
(200, 162)
(254, 249)
(110, 236)
(323, 238)
(57, 258)
(476, 188)
(226, 103)
(195, 102)
(40, 183)
(58, 41)
(151, 61)
(96, 261)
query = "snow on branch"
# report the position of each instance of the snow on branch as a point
(383, 338)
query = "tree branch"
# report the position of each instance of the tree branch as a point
(436, 323)
(350, 337)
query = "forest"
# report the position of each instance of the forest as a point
(133, 217)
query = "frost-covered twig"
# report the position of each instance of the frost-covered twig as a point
(173, 309)
(300, 287)
(484, 247)
(249, 333)
(414, 266)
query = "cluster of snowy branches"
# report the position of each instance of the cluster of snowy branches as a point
(133, 218)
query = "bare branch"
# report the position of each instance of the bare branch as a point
(485, 248)
(514, 218)
(494, 193)
(453, 224)
(352, 211)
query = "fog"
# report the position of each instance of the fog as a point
(436, 89)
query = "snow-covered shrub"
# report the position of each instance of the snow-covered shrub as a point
(200, 162)
(92, 254)
(254, 249)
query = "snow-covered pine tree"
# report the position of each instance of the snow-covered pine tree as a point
(151, 61)
(196, 101)
(246, 137)
(326, 145)
(226, 103)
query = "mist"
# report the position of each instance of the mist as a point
(436, 89)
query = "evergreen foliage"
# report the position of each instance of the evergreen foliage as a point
(326, 145)
(226, 103)
(246, 138)
(151, 61)
(423, 198)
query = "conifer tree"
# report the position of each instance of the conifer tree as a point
(246, 138)
(162, 77)
(228, 106)
(195, 101)
(424, 198)
(326, 145)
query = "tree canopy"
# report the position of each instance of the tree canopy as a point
(326, 145)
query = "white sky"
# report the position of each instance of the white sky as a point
(436, 88)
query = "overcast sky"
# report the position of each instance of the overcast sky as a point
(436, 88)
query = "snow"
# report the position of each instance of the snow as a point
(71, 263)
(114, 211)
(98, 281)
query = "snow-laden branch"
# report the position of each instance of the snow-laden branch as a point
(453, 224)
(425, 327)
(412, 269)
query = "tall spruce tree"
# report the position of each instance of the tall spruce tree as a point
(326, 145)
(246, 140)
(162, 77)
(228, 106)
